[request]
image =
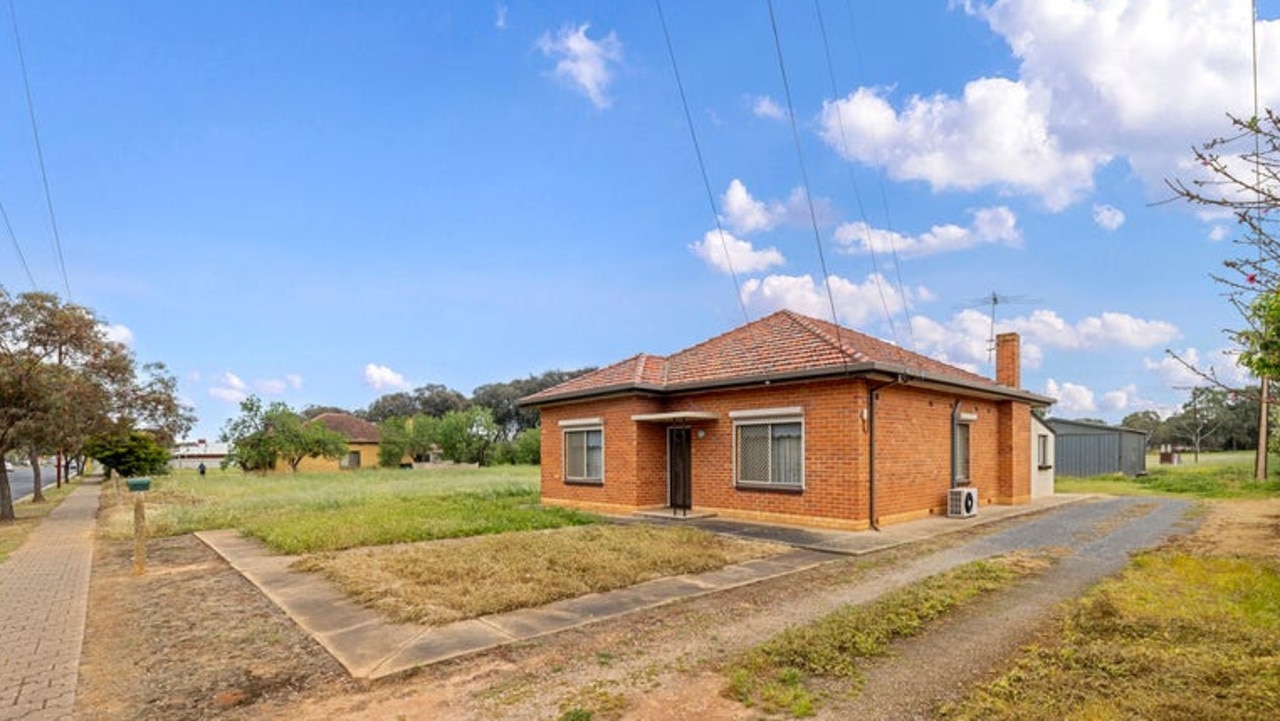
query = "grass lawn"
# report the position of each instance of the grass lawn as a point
(436, 583)
(14, 533)
(1175, 637)
(317, 512)
(1217, 475)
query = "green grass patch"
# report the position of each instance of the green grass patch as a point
(318, 512)
(1174, 637)
(783, 675)
(27, 516)
(1218, 475)
(436, 583)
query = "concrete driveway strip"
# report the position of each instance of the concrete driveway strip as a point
(44, 591)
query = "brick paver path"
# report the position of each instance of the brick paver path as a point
(44, 589)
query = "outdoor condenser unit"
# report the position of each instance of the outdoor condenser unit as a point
(962, 503)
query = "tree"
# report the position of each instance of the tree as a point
(260, 436)
(466, 436)
(391, 405)
(136, 453)
(437, 401)
(1241, 174)
(252, 448)
(62, 380)
(501, 399)
(297, 438)
(312, 411)
(416, 437)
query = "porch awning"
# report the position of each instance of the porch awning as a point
(675, 417)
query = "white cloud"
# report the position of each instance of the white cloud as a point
(270, 386)
(990, 225)
(744, 214)
(1107, 216)
(1219, 233)
(996, 135)
(742, 257)
(1072, 397)
(856, 303)
(500, 21)
(583, 62)
(764, 107)
(117, 334)
(229, 387)
(1108, 329)
(1220, 364)
(381, 377)
(294, 380)
(1121, 399)
(1144, 80)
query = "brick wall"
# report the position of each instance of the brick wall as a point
(913, 453)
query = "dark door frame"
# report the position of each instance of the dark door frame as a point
(680, 467)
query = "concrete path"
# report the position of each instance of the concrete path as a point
(371, 647)
(44, 590)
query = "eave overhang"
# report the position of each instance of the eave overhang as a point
(887, 372)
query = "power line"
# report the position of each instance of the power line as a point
(804, 177)
(844, 144)
(13, 237)
(35, 131)
(702, 166)
(884, 198)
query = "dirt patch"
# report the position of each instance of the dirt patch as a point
(189, 640)
(1237, 528)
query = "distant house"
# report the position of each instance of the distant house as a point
(362, 437)
(1087, 448)
(190, 454)
(790, 419)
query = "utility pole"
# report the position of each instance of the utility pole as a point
(1260, 458)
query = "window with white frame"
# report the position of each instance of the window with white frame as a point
(768, 451)
(584, 455)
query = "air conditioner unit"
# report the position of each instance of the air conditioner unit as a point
(962, 503)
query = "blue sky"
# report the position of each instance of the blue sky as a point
(324, 202)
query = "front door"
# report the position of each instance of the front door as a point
(680, 467)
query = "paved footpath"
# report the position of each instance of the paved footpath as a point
(44, 590)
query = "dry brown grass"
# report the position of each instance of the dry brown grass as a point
(444, 581)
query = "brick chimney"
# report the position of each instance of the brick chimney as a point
(1008, 360)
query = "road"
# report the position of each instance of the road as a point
(21, 480)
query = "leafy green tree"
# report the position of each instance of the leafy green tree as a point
(252, 447)
(62, 380)
(502, 399)
(133, 454)
(467, 436)
(391, 405)
(260, 436)
(394, 443)
(312, 411)
(528, 447)
(296, 438)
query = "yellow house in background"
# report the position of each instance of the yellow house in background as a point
(362, 444)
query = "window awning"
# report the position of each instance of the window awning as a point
(675, 417)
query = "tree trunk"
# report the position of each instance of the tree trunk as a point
(6, 494)
(37, 486)
(59, 471)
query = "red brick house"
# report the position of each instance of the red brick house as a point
(788, 419)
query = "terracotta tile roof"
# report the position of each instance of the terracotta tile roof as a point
(782, 344)
(356, 430)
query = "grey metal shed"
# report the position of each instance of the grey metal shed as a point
(1085, 448)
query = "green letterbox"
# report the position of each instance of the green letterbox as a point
(138, 484)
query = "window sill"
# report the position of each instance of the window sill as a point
(963, 482)
(1045, 468)
(583, 482)
(771, 487)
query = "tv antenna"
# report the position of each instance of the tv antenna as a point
(994, 299)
